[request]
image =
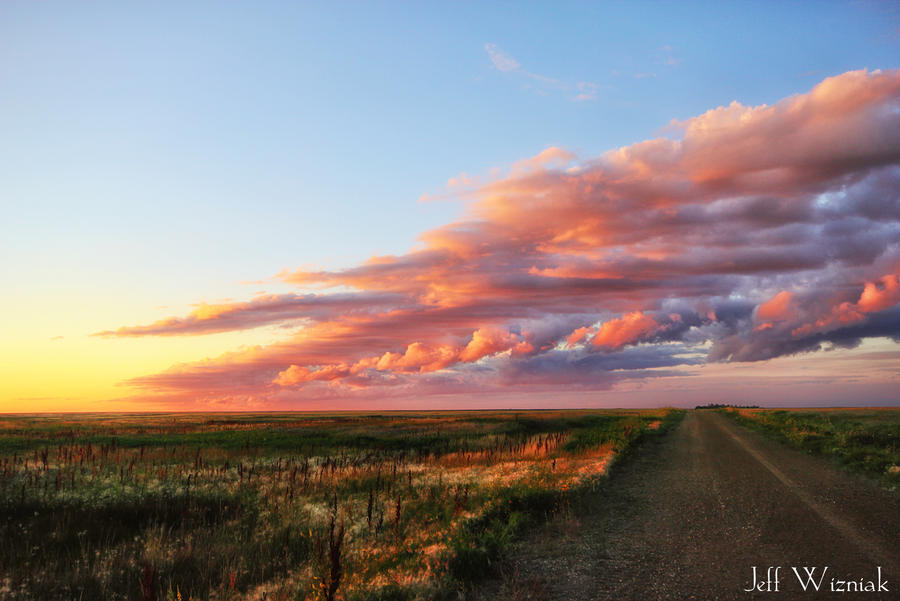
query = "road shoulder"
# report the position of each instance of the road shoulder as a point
(689, 514)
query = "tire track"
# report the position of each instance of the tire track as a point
(691, 514)
(876, 552)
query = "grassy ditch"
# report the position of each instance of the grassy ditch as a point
(865, 441)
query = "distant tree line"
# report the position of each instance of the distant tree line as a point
(724, 405)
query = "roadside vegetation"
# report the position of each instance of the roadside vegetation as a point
(866, 441)
(287, 506)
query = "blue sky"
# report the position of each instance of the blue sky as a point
(164, 153)
(270, 126)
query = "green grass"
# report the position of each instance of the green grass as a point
(226, 506)
(866, 441)
(482, 543)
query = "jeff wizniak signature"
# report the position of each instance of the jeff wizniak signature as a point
(814, 579)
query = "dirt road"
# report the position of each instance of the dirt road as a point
(692, 514)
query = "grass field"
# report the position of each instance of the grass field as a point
(864, 440)
(286, 506)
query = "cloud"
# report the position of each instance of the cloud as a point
(777, 308)
(578, 92)
(262, 310)
(760, 232)
(586, 90)
(668, 58)
(628, 329)
(880, 295)
(501, 60)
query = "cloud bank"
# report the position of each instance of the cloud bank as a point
(759, 232)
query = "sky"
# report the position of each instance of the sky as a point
(315, 206)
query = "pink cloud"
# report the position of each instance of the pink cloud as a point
(777, 308)
(419, 357)
(763, 231)
(628, 329)
(261, 311)
(577, 335)
(876, 296)
(880, 295)
(488, 341)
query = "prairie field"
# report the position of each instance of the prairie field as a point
(864, 440)
(287, 506)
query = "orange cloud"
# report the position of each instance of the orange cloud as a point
(297, 374)
(677, 237)
(577, 335)
(488, 341)
(777, 308)
(419, 357)
(628, 329)
(876, 296)
(261, 311)
(880, 295)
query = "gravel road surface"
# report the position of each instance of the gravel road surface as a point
(691, 514)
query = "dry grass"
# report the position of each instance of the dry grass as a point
(275, 507)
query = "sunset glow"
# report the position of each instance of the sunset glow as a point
(750, 252)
